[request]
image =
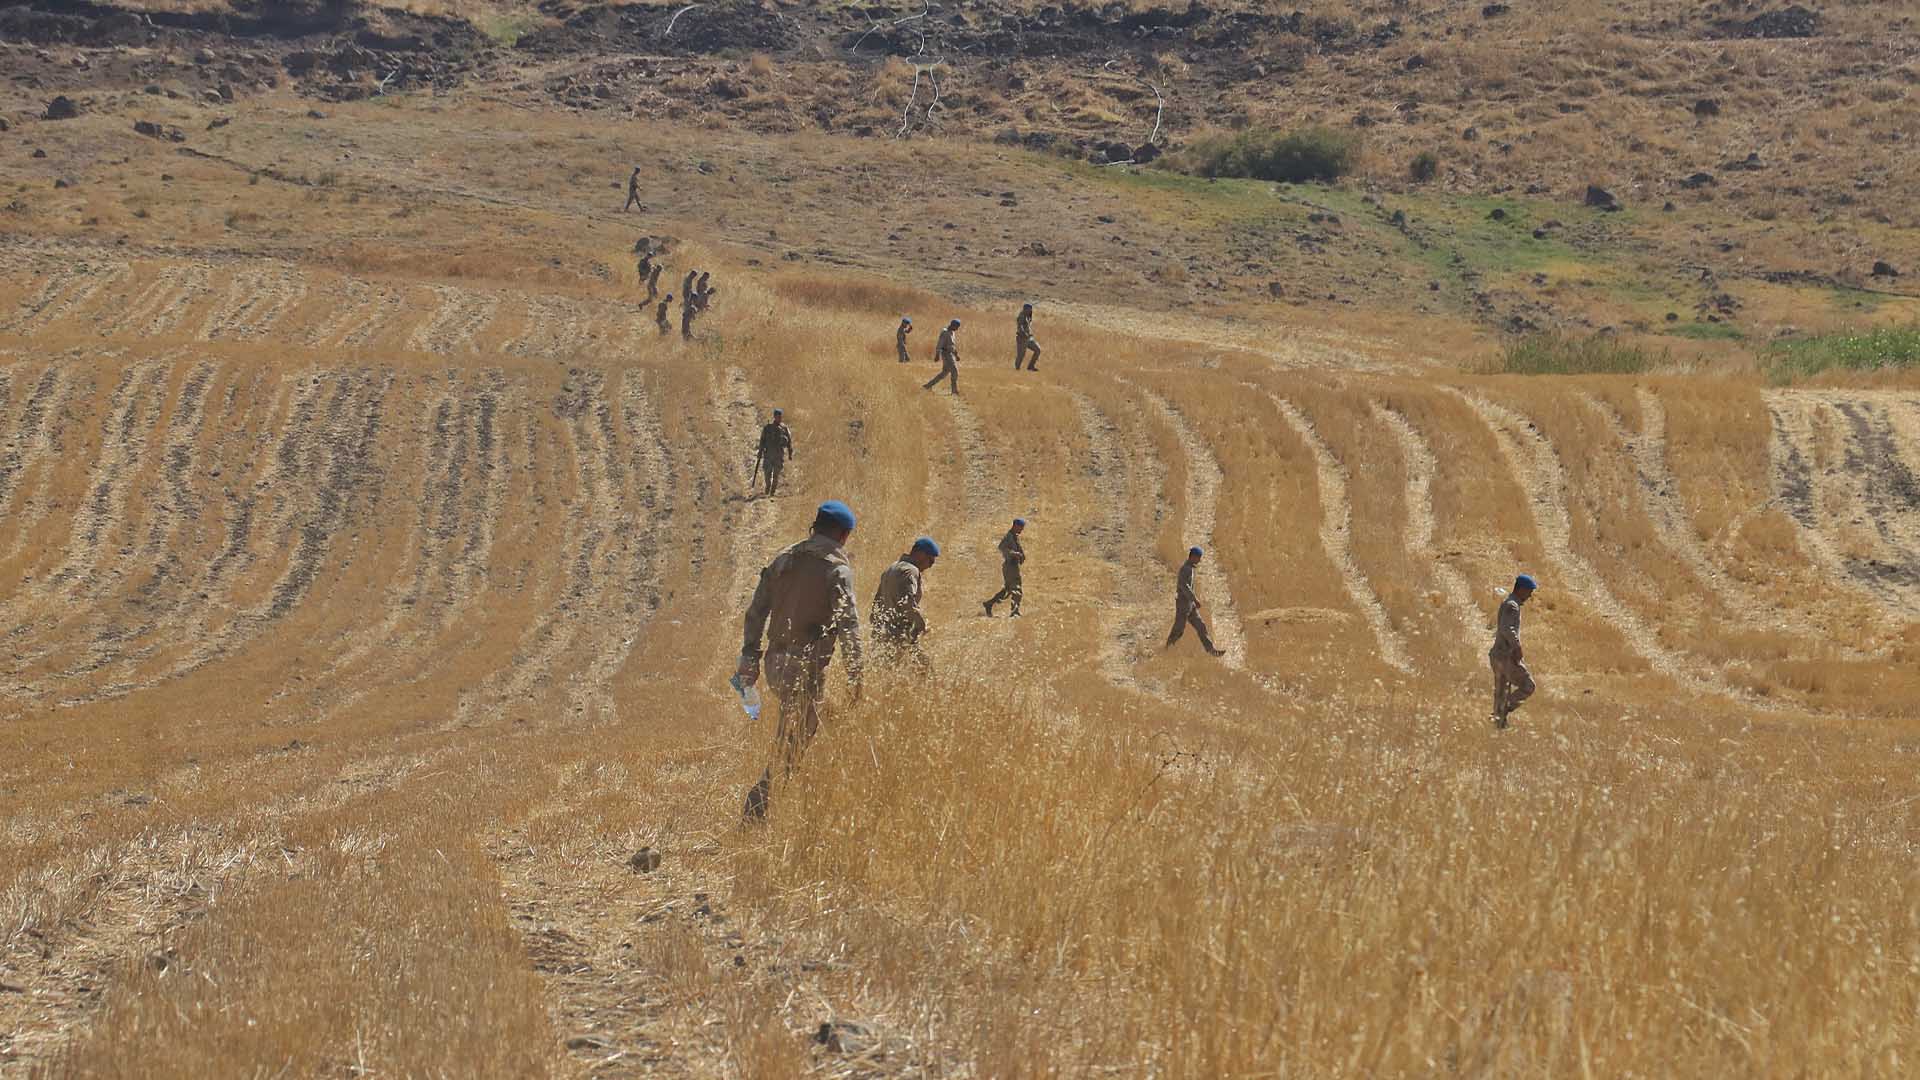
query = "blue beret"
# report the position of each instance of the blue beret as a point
(1195, 551)
(927, 545)
(1022, 522)
(1525, 581)
(836, 513)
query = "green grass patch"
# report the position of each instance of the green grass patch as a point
(508, 29)
(1550, 353)
(1878, 349)
(1314, 153)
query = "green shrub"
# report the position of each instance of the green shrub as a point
(1550, 353)
(1854, 350)
(1264, 154)
(1424, 166)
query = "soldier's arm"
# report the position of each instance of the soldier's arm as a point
(847, 624)
(756, 622)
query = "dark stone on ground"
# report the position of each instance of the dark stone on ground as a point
(1494, 11)
(61, 182)
(1498, 214)
(644, 861)
(845, 1037)
(62, 108)
(1706, 107)
(1885, 269)
(1601, 199)
(1699, 180)
(39, 153)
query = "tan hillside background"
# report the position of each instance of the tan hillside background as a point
(371, 570)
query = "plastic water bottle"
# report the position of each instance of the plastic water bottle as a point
(749, 696)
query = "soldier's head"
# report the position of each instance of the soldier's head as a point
(1523, 587)
(906, 321)
(954, 325)
(834, 520)
(1194, 554)
(668, 299)
(1026, 309)
(777, 414)
(923, 553)
(1019, 525)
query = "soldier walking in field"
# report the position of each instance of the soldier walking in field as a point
(1023, 339)
(1012, 555)
(1512, 683)
(653, 280)
(702, 295)
(900, 339)
(1186, 606)
(633, 191)
(804, 605)
(687, 312)
(775, 450)
(948, 354)
(897, 620)
(686, 287)
(660, 314)
(649, 272)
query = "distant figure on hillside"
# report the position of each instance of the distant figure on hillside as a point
(1186, 606)
(660, 314)
(1012, 555)
(900, 339)
(653, 280)
(701, 292)
(686, 287)
(645, 265)
(633, 191)
(897, 620)
(948, 354)
(649, 272)
(1512, 683)
(1023, 339)
(688, 309)
(804, 604)
(775, 450)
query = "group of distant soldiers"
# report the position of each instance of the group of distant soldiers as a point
(804, 606)
(696, 295)
(1026, 348)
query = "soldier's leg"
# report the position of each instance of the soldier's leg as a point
(1019, 352)
(1034, 363)
(953, 380)
(800, 716)
(1520, 685)
(1014, 591)
(1200, 628)
(1179, 625)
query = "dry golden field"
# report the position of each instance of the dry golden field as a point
(372, 568)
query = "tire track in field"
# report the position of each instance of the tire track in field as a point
(557, 328)
(736, 412)
(362, 310)
(1204, 477)
(35, 443)
(1837, 518)
(1536, 468)
(458, 318)
(984, 492)
(68, 287)
(1422, 466)
(1336, 534)
(161, 306)
(133, 415)
(1127, 633)
(1660, 498)
(587, 564)
(254, 303)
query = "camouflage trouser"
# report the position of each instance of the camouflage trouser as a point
(633, 198)
(949, 371)
(1021, 344)
(1185, 615)
(773, 467)
(902, 346)
(1512, 684)
(653, 292)
(1009, 586)
(897, 649)
(799, 680)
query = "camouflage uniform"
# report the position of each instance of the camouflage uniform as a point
(1186, 610)
(633, 191)
(1023, 341)
(803, 604)
(660, 313)
(949, 357)
(776, 447)
(650, 277)
(896, 617)
(687, 312)
(900, 341)
(653, 280)
(1011, 556)
(1512, 683)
